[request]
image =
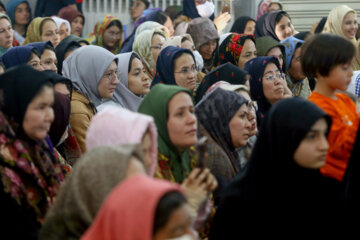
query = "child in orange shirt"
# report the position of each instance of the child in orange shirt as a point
(329, 59)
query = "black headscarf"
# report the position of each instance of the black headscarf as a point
(321, 25)
(240, 24)
(57, 78)
(61, 120)
(215, 112)
(40, 46)
(63, 47)
(265, 25)
(273, 183)
(226, 72)
(256, 67)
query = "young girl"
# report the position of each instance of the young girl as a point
(329, 58)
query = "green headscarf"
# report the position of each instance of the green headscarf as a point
(155, 104)
(265, 44)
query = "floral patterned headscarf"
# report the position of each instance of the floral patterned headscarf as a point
(230, 49)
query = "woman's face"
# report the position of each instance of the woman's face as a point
(312, 150)
(349, 25)
(188, 45)
(272, 81)
(247, 53)
(283, 28)
(77, 26)
(63, 31)
(34, 61)
(6, 33)
(137, 8)
(276, 52)
(138, 80)
(50, 33)
(22, 14)
(207, 50)
(157, 42)
(250, 27)
(169, 25)
(251, 113)
(185, 71)
(178, 225)
(39, 115)
(109, 81)
(240, 127)
(48, 60)
(182, 122)
(295, 69)
(112, 36)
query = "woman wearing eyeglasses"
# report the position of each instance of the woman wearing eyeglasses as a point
(267, 83)
(93, 71)
(176, 66)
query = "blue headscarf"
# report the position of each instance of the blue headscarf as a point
(11, 6)
(165, 65)
(16, 56)
(291, 44)
(40, 46)
(256, 67)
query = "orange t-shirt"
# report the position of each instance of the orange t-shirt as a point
(345, 122)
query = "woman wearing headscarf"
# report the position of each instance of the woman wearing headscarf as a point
(47, 54)
(64, 27)
(7, 33)
(107, 34)
(283, 175)
(65, 48)
(227, 72)
(267, 83)
(75, 18)
(86, 188)
(342, 21)
(268, 46)
(136, 128)
(22, 55)
(20, 14)
(223, 119)
(276, 24)
(30, 174)
(42, 29)
(206, 37)
(148, 45)
(93, 71)
(176, 66)
(236, 49)
(134, 81)
(295, 78)
(153, 213)
(244, 25)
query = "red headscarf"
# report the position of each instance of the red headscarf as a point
(69, 13)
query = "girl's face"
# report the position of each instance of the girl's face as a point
(22, 14)
(312, 150)
(185, 71)
(207, 50)
(109, 81)
(169, 25)
(276, 52)
(349, 25)
(182, 122)
(283, 28)
(39, 115)
(295, 69)
(157, 42)
(273, 83)
(339, 76)
(112, 36)
(250, 27)
(240, 127)
(77, 26)
(50, 33)
(247, 53)
(6, 33)
(138, 80)
(48, 60)
(34, 61)
(178, 225)
(63, 31)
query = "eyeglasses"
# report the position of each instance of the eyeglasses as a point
(157, 47)
(116, 35)
(272, 77)
(111, 76)
(185, 71)
(252, 105)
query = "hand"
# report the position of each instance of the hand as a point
(221, 21)
(287, 91)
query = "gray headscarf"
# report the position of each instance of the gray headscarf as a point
(123, 95)
(86, 67)
(93, 177)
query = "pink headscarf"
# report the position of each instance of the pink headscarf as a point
(129, 211)
(117, 126)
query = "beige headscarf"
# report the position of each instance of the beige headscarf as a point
(94, 176)
(33, 33)
(177, 40)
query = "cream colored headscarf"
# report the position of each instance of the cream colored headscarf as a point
(33, 33)
(176, 40)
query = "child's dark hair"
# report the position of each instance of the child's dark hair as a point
(34, 51)
(170, 202)
(49, 47)
(161, 17)
(322, 52)
(281, 15)
(133, 55)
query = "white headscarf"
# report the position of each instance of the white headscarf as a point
(60, 21)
